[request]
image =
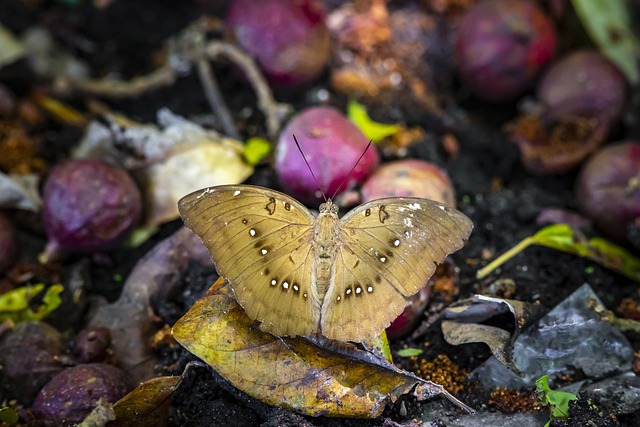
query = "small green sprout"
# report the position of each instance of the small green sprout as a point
(557, 400)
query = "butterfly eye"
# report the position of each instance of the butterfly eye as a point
(334, 209)
(323, 208)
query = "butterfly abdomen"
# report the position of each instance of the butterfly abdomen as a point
(324, 247)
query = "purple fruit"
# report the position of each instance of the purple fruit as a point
(72, 394)
(409, 178)
(583, 83)
(332, 145)
(608, 188)
(289, 38)
(8, 244)
(579, 98)
(29, 357)
(93, 344)
(89, 206)
(501, 47)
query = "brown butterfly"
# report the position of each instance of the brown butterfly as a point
(298, 274)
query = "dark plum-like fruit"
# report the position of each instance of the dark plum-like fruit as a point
(580, 98)
(583, 83)
(331, 144)
(409, 178)
(29, 357)
(8, 244)
(92, 344)
(501, 47)
(288, 38)
(608, 188)
(72, 394)
(89, 206)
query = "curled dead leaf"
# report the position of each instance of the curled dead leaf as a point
(463, 326)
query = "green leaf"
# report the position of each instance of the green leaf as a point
(557, 400)
(18, 305)
(409, 352)
(256, 149)
(563, 238)
(9, 416)
(373, 130)
(608, 24)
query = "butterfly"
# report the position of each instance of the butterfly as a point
(301, 275)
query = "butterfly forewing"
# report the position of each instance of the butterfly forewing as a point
(388, 250)
(261, 241)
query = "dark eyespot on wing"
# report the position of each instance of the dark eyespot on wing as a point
(271, 206)
(383, 215)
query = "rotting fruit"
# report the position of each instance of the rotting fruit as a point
(332, 145)
(88, 206)
(501, 47)
(288, 38)
(608, 188)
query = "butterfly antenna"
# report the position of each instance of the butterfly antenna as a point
(352, 169)
(309, 166)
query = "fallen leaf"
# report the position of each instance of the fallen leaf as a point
(186, 169)
(10, 48)
(18, 305)
(20, 192)
(608, 24)
(131, 318)
(147, 405)
(170, 161)
(256, 149)
(409, 352)
(373, 130)
(335, 379)
(464, 329)
(563, 238)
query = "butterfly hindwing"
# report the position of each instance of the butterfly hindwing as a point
(260, 240)
(388, 249)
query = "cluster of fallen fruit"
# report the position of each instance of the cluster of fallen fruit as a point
(92, 206)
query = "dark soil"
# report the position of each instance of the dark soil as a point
(493, 189)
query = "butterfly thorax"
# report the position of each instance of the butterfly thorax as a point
(325, 245)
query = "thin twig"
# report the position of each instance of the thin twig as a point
(189, 47)
(214, 97)
(274, 112)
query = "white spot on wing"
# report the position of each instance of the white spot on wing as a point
(396, 243)
(252, 232)
(273, 282)
(415, 206)
(285, 285)
(236, 193)
(263, 251)
(408, 222)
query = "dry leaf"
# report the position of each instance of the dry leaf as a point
(148, 404)
(336, 380)
(463, 329)
(170, 161)
(20, 192)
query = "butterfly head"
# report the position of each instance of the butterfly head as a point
(328, 207)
